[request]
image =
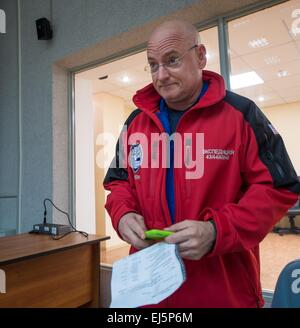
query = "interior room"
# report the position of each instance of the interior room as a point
(68, 72)
(268, 54)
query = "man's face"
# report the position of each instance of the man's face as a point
(177, 85)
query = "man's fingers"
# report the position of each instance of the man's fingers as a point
(135, 223)
(132, 227)
(176, 238)
(180, 226)
(179, 236)
(141, 244)
(134, 239)
(141, 227)
(138, 226)
(137, 242)
(184, 246)
(187, 255)
(132, 235)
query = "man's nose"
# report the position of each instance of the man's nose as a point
(162, 73)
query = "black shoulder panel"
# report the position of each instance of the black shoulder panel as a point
(272, 151)
(132, 116)
(115, 172)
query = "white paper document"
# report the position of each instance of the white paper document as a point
(146, 277)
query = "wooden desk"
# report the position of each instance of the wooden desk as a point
(42, 272)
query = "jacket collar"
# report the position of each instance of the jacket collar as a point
(147, 99)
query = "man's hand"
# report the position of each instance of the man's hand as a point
(131, 227)
(194, 238)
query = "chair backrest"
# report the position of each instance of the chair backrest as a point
(296, 205)
(287, 290)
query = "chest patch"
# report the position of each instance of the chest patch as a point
(136, 157)
(218, 154)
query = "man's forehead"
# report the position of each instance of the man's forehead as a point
(166, 42)
(166, 33)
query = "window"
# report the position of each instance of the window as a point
(264, 50)
(209, 38)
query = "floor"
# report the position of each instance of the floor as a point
(276, 252)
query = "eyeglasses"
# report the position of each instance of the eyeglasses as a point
(171, 63)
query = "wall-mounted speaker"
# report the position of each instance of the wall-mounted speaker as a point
(43, 28)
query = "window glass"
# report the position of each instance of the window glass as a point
(264, 50)
(209, 38)
(265, 54)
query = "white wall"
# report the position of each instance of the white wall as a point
(286, 119)
(113, 113)
(98, 121)
(84, 157)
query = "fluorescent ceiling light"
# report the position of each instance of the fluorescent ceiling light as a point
(295, 25)
(294, 32)
(245, 80)
(272, 60)
(125, 79)
(258, 43)
(261, 98)
(282, 73)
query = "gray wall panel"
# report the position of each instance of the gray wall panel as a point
(82, 23)
(8, 214)
(9, 102)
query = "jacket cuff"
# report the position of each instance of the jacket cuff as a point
(208, 214)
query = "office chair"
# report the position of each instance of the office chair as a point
(287, 290)
(292, 213)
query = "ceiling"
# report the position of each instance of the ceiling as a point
(267, 42)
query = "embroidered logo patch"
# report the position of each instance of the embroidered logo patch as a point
(136, 157)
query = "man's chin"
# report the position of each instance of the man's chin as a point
(170, 96)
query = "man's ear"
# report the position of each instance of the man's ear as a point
(201, 51)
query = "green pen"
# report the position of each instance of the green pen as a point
(157, 234)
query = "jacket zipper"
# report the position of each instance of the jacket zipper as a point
(166, 211)
(188, 183)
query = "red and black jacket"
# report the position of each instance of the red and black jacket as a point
(248, 184)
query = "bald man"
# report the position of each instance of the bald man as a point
(224, 181)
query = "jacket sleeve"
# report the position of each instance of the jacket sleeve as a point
(271, 188)
(122, 198)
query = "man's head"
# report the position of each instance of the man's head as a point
(174, 47)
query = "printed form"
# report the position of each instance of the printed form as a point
(146, 277)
